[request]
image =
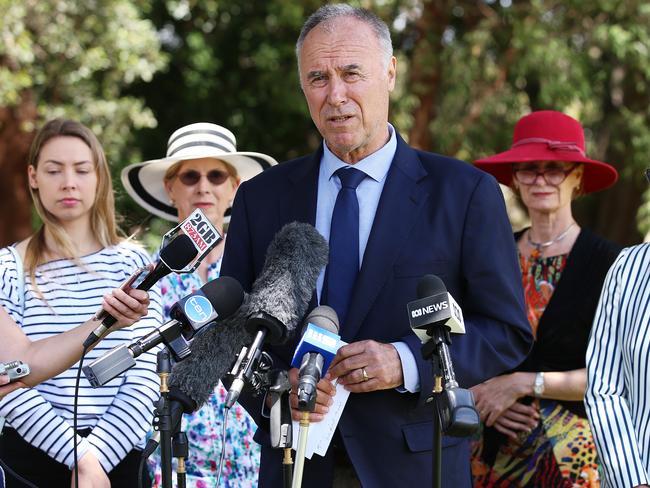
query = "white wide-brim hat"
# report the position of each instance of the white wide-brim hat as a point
(145, 181)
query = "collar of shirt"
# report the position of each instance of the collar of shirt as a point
(375, 165)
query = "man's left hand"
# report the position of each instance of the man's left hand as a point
(380, 362)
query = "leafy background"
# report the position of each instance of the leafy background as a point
(135, 70)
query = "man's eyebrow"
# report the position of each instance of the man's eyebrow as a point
(314, 74)
(350, 67)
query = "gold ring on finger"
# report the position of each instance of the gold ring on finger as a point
(364, 374)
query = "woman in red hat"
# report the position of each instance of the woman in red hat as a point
(536, 430)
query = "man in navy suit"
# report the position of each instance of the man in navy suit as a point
(416, 213)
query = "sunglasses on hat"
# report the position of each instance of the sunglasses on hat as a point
(192, 177)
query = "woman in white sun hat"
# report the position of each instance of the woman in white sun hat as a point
(202, 169)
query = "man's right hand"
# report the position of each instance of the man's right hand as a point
(324, 397)
(91, 473)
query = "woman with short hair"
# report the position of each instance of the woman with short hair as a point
(202, 169)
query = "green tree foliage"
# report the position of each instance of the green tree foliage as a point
(467, 71)
(231, 63)
(73, 59)
(497, 61)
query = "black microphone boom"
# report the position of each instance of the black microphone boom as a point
(279, 299)
(176, 255)
(216, 300)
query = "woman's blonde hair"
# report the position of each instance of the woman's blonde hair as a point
(102, 213)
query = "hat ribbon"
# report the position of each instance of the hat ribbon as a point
(552, 145)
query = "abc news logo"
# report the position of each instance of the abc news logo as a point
(436, 307)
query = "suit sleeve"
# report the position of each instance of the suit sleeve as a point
(607, 396)
(498, 336)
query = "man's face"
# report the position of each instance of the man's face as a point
(347, 86)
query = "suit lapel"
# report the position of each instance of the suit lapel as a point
(397, 212)
(299, 202)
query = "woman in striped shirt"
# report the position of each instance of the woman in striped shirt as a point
(69, 264)
(52, 355)
(618, 360)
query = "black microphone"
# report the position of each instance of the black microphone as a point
(176, 255)
(433, 317)
(216, 300)
(436, 311)
(315, 353)
(279, 299)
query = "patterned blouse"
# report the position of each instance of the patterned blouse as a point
(540, 277)
(204, 427)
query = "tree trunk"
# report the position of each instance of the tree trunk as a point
(424, 71)
(15, 137)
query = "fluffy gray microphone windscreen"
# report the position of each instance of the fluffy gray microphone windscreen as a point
(278, 300)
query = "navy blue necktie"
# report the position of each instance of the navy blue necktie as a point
(343, 264)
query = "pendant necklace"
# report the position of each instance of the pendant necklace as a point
(540, 246)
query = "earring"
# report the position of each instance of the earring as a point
(172, 202)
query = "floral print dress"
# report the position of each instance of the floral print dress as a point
(204, 427)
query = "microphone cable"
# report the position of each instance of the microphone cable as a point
(74, 417)
(222, 456)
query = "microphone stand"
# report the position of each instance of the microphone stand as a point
(280, 426)
(171, 406)
(454, 411)
(275, 383)
(180, 451)
(162, 418)
(306, 404)
(300, 452)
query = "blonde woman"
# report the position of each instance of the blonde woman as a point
(54, 280)
(537, 433)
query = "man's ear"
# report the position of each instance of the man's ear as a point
(392, 73)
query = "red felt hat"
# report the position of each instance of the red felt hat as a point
(548, 135)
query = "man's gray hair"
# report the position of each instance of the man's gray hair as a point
(327, 13)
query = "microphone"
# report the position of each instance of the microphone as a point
(434, 307)
(433, 317)
(216, 300)
(315, 353)
(279, 299)
(176, 255)
(436, 312)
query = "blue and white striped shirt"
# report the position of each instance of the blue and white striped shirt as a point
(119, 413)
(618, 361)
